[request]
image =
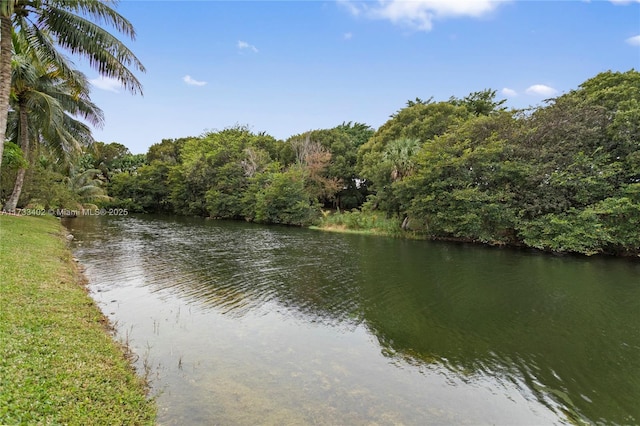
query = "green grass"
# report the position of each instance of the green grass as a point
(358, 222)
(58, 362)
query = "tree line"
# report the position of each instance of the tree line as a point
(238, 174)
(564, 176)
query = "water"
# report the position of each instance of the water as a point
(237, 323)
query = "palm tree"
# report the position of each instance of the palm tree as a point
(399, 153)
(45, 101)
(5, 72)
(48, 24)
(87, 185)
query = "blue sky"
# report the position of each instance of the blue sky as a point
(290, 66)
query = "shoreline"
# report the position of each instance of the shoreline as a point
(59, 360)
(343, 229)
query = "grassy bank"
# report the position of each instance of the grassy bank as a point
(58, 362)
(357, 222)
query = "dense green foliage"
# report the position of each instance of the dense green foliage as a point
(52, 182)
(237, 174)
(561, 177)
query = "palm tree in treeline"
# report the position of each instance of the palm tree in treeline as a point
(399, 153)
(51, 24)
(45, 100)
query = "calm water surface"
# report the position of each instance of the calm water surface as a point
(243, 324)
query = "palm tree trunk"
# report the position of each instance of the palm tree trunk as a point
(5, 77)
(12, 202)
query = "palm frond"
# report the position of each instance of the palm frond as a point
(105, 52)
(44, 47)
(23, 74)
(81, 107)
(101, 12)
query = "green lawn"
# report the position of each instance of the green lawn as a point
(58, 362)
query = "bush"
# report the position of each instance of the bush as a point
(364, 221)
(284, 200)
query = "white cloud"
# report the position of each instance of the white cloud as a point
(347, 36)
(107, 83)
(541, 90)
(634, 41)
(244, 45)
(420, 14)
(623, 2)
(351, 7)
(192, 82)
(509, 93)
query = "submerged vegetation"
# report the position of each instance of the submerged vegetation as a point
(562, 177)
(58, 365)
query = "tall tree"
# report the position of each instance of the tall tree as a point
(5, 71)
(44, 101)
(73, 25)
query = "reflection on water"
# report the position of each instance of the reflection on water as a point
(243, 324)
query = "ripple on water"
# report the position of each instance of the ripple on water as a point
(287, 326)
